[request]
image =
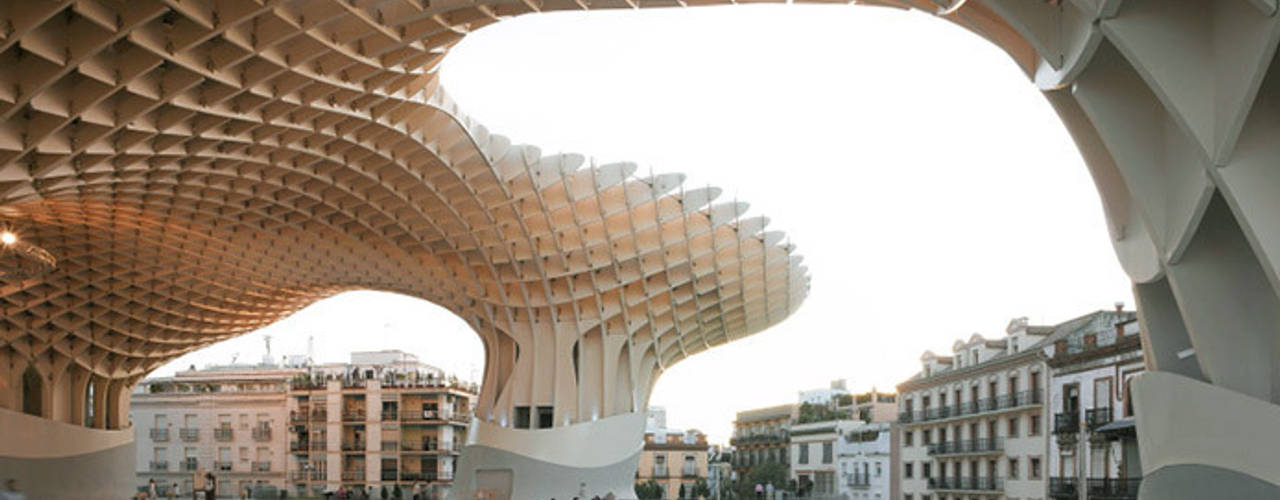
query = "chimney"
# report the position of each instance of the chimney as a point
(1119, 306)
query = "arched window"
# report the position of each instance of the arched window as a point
(32, 391)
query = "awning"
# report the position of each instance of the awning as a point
(1125, 426)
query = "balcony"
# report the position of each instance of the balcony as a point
(159, 435)
(352, 446)
(965, 484)
(298, 476)
(1064, 488)
(1114, 489)
(660, 472)
(263, 466)
(967, 446)
(190, 464)
(318, 444)
(390, 446)
(390, 415)
(1097, 417)
(159, 465)
(298, 417)
(189, 434)
(1066, 423)
(761, 438)
(352, 475)
(262, 433)
(419, 415)
(224, 466)
(319, 416)
(298, 445)
(222, 434)
(389, 475)
(985, 405)
(858, 481)
(353, 415)
(689, 473)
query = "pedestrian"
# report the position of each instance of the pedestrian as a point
(11, 491)
(210, 486)
(173, 492)
(417, 491)
(151, 489)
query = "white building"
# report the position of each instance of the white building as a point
(1094, 450)
(865, 459)
(813, 456)
(228, 420)
(973, 422)
(825, 396)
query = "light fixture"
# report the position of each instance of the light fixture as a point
(8, 238)
(21, 260)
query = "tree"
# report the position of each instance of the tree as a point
(396, 493)
(683, 493)
(384, 494)
(701, 489)
(649, 490)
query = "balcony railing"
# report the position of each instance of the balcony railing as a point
(190, 464)
(984, 405)
(1066, 423)
(318, 444)
(1097, 417)
(189, 433)
(353, 415)
(390, 415)
(762, 438)
(298, 475)
(965, 483)
(688, 472)
(159, 465)
(1114, 489)
(980, 445)
(660, 472)
(298, 445)
(159, 434)
(262, 466)
(858, 481)
(419, 415)
(353, 475)
(389, 475)
(222, 433)
(297, 417)
(390, 445)
(222, 465)
(352, 446)
(261, 433)
(1064, 488)
(424, 476)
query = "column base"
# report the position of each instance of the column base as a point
(584, 460)
(1198, 440)
(56, 461)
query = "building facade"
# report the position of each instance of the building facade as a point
(1094, 450)
(865, 458)
(675, 460)
(227, 420)
(813, 456)
(761, 436)
(382, 420)
(973, 422)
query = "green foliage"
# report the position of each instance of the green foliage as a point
(649, 490)
(767, 473)
(384, 494)
(396, 493)
(701, 489)
(816, 413)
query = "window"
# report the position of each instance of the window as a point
(926, 470)
(522, 417)
(907, 439)
(1013, 384)
(907, 469)
(161, 421)
(244, 420)
(1034, 430)
(878, 471)
(1033, 469)
(927, 437)
(1013, 427)
(1013, 468)
(826, 452)
(545, 416)
(906, 496)
(244, 453)
(160, 454)
(224, 420)
(804, 453)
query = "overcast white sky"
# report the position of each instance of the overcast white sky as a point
(929, 186)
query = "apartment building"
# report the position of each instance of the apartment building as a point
(228, 420)
(865, 458)
(973, 423)
(1094, 450)
(676, 460)
(382, 420)
(761, 436)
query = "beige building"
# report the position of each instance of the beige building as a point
(382, 420)
(761, 436)
(676, 460)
